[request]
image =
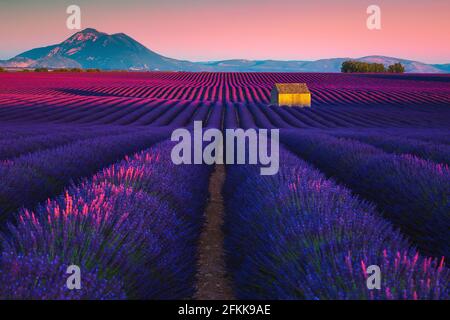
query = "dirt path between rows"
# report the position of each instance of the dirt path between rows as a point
(213, 282)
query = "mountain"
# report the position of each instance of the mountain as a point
(410, 66)
(443, 67)
(93, 49)
(323, 65)
(326, 65)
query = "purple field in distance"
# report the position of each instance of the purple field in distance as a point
(364, 179)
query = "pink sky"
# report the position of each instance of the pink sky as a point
(249, 29)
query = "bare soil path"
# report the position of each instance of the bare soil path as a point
(213, 282)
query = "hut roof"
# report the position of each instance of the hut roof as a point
(291, 88)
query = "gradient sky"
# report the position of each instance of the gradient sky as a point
(202, 30)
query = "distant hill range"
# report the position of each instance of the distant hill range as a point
(93, 49)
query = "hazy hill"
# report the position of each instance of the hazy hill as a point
(93, 49)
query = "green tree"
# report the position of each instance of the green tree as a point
(348, 66)
(396, 68)
(377, 67)
(41, 70)
(360, 67)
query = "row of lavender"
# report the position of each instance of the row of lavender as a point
(14, 147)
(34, 177)
(16, 131)
(390, 135)
(297, 235)
(327, 89)
(431, 150)
(411, 192)
(155, 112)
(65, 158)
(132, 229)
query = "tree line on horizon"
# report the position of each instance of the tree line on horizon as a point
(56, 70)
(349, 66)
(352, 66)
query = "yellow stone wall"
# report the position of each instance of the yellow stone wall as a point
(295, 99)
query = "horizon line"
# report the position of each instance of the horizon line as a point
(3, 58)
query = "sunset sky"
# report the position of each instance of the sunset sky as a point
(202, 30)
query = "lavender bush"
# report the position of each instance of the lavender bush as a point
(410, 192)
(40, 277)
(297, 235)
(32, 178)
(121, 225)
(439, 153)
(10, 148)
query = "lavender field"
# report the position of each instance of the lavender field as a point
(87, 179)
